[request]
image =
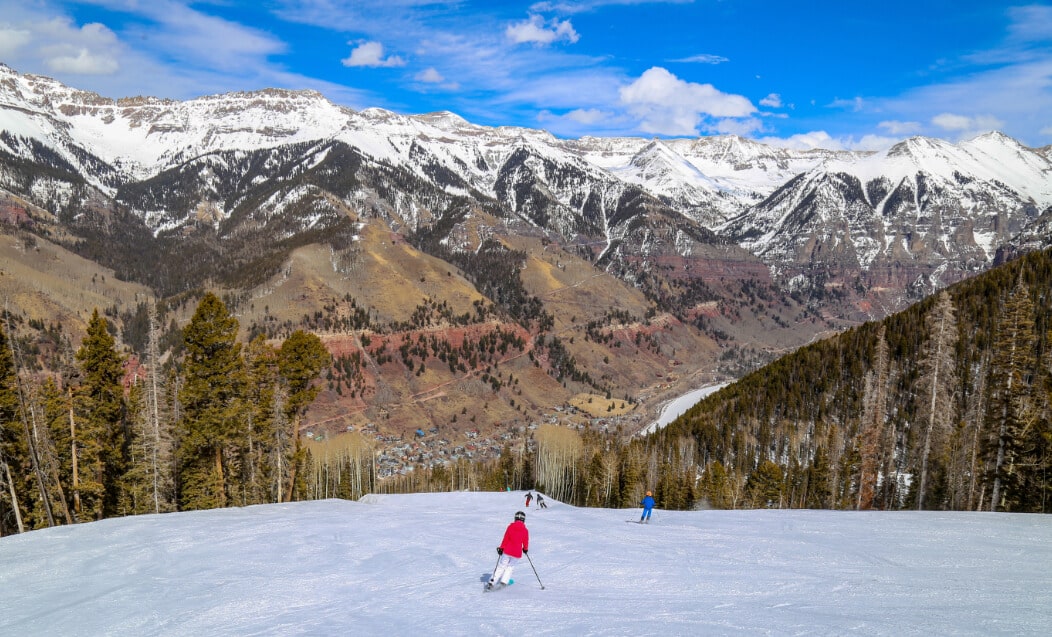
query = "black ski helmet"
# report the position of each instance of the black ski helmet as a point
(520, 516)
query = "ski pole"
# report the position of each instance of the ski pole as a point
(534, 571)
(494, 574)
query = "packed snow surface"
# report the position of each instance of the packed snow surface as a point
(679, 406)
(414, 564)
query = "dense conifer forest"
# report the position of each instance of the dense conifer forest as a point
(943, 406)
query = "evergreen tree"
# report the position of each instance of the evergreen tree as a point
(936, 385)
(819, 495)
(300, 360)
(873, 425)
(12, 440)
(55, 408)
(717, 486)
(210, 397)
(764, 486)
(265, 473)
(136, 490)
(100, 408)
(1012, 413)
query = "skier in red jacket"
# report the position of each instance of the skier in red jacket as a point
(516, 542)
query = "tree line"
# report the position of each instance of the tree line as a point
(215, 428)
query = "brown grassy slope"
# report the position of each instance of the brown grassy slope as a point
(381, 272)
(44, 281)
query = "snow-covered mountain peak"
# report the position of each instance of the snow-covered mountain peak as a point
(988, 158)
(665, 170)
(446, 120)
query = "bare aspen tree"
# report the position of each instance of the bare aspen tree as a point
(14, 495)
(53, 409)
(349, 454)
(558, 450)
(937, 383)
(45, 444)
(159, 439)
(27, 413)
(281, 447)
(73, 453)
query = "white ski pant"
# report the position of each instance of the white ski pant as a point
(505, 565)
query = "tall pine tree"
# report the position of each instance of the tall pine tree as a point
(301, 358)
(12, 440)
(99, 406)
(210, 397)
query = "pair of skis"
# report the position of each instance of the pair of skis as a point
(496, 587)
(489, 589)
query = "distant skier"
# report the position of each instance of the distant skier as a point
(516, 542)
(648, 506)
(529, 496)
(540, 501)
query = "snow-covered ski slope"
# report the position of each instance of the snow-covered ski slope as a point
(413, 564)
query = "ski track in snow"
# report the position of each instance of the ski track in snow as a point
(410, 564)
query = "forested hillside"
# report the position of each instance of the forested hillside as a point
(943, 406)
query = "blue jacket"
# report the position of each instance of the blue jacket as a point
(648, 502)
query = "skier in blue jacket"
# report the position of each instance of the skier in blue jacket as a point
(648, 506)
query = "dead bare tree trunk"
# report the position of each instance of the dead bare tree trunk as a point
(28, 415)
(14, 495)
(73, 451)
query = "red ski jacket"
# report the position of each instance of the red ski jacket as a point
(516, 538)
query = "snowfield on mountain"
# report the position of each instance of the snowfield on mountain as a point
(415, 564)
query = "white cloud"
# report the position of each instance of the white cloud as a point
(703, 58)
(1030, 24)
(178, 32)
(667, 105)
(774, 100)
(430, 76)
(62, 47)
(822, 139)
(854, 104)
(873, 142)
(582, 6)
(964, 126)
(741, 127)
(535, 30)
(901, 128)
(954, 122)
(12, 39)
(371, 54)
(586, 115)
(805, 141)
(84, 62)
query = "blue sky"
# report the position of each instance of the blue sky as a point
(800, 74)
